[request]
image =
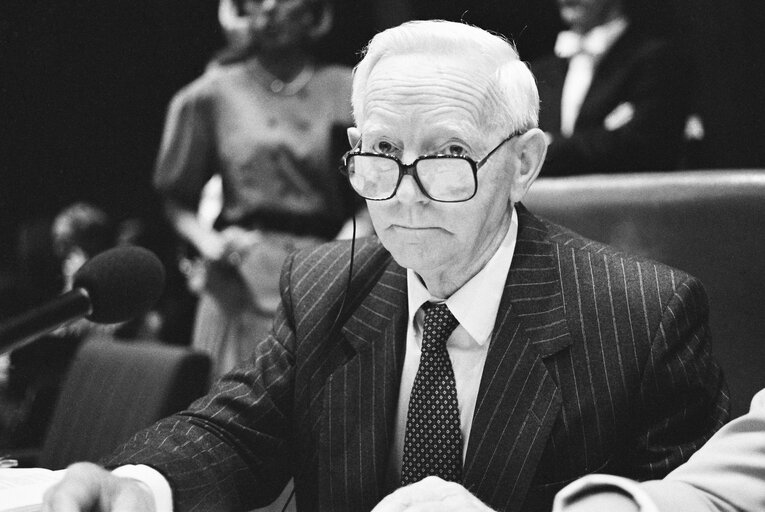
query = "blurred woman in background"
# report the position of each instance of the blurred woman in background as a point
(270, 121)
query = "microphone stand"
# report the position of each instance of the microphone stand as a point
(22, 329)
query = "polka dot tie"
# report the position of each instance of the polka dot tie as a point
(433, 440)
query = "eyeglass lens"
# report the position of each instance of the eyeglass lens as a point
(445, 179)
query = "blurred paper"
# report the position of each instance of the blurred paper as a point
(22, 489)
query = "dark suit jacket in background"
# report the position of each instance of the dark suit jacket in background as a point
(598, 362)
(645, 71)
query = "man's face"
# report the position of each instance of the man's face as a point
(583, 15)
(428, 104)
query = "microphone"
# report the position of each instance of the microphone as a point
(112, 287)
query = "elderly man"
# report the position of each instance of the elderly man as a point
(479, 358)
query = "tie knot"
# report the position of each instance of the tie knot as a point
(438, 326)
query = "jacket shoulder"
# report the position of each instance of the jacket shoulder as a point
(580, 247)
(320, 274)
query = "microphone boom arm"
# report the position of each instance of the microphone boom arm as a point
(29, 326)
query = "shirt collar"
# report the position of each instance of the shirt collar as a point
(596, 42)
(476, 303)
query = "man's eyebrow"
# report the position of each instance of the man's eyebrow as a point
(375, 131)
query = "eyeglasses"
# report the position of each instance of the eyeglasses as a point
(443, 178)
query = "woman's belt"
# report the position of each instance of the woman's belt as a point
(302, 225)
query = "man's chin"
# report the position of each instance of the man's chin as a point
(420, 259)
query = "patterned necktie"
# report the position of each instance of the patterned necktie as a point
(433, 440)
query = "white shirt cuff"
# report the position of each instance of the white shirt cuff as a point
(153, 479)
(568, 494)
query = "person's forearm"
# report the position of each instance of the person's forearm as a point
(676, 496)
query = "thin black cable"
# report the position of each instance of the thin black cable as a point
(334, 324)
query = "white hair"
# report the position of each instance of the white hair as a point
(516, 106)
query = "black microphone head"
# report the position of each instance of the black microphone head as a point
(122, 283)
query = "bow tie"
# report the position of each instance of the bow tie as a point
(570, 43)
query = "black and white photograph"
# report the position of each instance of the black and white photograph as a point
(382, 255)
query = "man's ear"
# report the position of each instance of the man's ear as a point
(354, 136)
(531, 148)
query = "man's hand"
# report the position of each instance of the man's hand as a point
(87, 487)
(431, 494)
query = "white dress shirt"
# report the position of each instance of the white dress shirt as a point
(475, 307)
(584, 53)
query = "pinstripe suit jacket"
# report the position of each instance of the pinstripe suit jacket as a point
(599, 362)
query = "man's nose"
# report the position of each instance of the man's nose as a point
(409, 191)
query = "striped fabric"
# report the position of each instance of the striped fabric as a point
(598, 362)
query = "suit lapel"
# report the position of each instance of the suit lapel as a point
(358, 427)
(610, 74)
(518, 400)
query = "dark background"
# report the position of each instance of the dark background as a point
(84, 85)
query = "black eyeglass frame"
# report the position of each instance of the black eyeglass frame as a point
(411, 169)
